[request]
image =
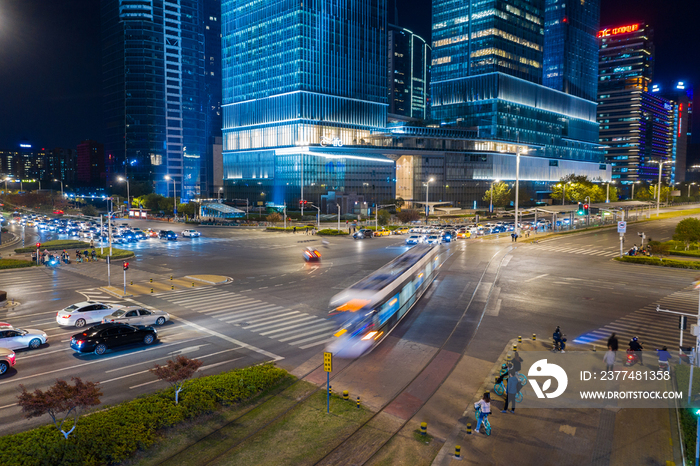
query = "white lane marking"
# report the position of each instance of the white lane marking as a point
(316, 344)
(43, 353)
(535, 278)
(8, 406)
(296, 342)
(246, 314)
(98, 361)
(276, 320)
(202, 368)
(277, 316)
(249, 306)
(145, 362)
(312, 332)
(288, 327)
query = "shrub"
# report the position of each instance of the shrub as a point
(116, 253)
(274, 217)
(408, 215)
(56, 245)
(330, 232)
(15, 264)
(113, 435)
(694, 265)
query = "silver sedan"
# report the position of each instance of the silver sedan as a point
(137, 316)
(17, 338)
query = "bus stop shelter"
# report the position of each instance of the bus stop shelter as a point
(216, 210)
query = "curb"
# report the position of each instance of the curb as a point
(228, 280)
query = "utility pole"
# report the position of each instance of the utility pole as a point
(517, 186)
(338, 206)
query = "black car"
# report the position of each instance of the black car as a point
(167, 235)
(102, 337)
(363, 234)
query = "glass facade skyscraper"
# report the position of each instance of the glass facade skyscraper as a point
(154, 92)
(487, 75)
(300, 74)
(571, 47)
(409, 73)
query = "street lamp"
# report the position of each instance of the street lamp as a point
(338, 206)
(689, 185)
(491, 203)
(60, 181)
(607, 192)
(168, 177)
(633, 188)
(6, 180)
(517, 186)
(427, 206)
(220, 190)
(658, 197)
(563, 193)
(128, 198)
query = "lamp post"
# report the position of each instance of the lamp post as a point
(60, 181)
(128, 198)
(689, 185)
(168, 177)
(658, 197)
(220, 191)
(563, 193)
(6, 180)
(318, 216)
(338, 206)
(39, 181)
(517, 186)
(607, 192)
(427, 206)
(633, 189)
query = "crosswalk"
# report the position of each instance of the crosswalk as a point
(33, 281)
(654, 329)
(584, 250)
(294, 328)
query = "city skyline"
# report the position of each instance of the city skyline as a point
(67, 99)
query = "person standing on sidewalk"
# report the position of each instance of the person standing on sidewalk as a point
(613, 343)
(511, 391)
(485, 410)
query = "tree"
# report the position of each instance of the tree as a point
(579, 187)
(688, 231)
(408, 215)
(274, 217)
(399, 202)
(177, 372)
(383, 217)
(60, 398)
(187, 209)
(89, 210)
(501, 194)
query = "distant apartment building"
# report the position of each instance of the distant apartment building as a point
(90, 164)
(45, 166)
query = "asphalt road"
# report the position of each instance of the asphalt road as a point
(276, 304)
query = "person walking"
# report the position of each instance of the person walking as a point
(485, 409)
(92, 243)
(613, 344)
(511, 390)
(609, 359)
(512, 237)
(294, 230)
(92, 254)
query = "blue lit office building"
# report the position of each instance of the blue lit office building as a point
(154, 93)
(487, 76)
(571, 47)
(301, 80)
(409, 76)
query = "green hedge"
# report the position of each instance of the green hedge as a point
(116, 253)
(56, 245)
(695, 265)
(113, 435)
(15, 264)
(684, 253)
(330, 232)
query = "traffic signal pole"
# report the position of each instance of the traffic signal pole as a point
(126, 267)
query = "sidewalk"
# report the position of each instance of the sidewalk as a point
(545, 436)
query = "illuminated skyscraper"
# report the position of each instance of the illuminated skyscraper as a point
(299, 77)
(154, 92)
(409, 63)
(571, 46)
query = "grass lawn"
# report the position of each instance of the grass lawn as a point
(408, 448)
(302, 436)
(55, 245)
(674, 263)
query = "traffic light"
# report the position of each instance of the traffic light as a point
(585, 209)
(126, 266)
(580, 209)
(38, 245)
(302, 202)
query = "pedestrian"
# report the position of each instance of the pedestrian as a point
(86, 255)
(511, 390)
(485, 409)
(515, 237)
(46, 256)
(512, 237)
(609, 359)
(92, 253)
(612, 342)
(77, 256)
(516, 362)
(294, 230)
(92, 243)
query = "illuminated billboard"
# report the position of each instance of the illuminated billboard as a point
(619, 30)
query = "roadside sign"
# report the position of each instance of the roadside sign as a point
(697, 284)
(328, 362)
(622, 227)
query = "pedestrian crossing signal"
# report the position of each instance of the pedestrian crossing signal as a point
(328, 362)
(126, 266)
(580, 209)
(585, 209)
(38, 245)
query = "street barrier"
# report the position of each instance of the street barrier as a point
(423, 428)
(346, 395)
(469, 428)
(534, 337)
(151, 290)
(358, 402)
(520, 339)
(458, 452)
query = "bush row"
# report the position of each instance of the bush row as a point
(116, 253)
(15, 264)
(113, 435)
(55, 245)
(298, 228)
(684, 253)
(330, 232)
(662, 262)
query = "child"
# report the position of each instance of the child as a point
(485, 405)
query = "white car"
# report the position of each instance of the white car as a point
(191, 233)
(87, 312)
(432, 239)
(137, 316)
(414, 239)
(17, 338)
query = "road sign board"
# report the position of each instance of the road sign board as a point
(328, 362)
(622, 227)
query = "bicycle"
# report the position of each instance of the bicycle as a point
(500, 387)
(487, 424)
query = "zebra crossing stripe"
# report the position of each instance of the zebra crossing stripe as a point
(247, 314)
(310, 332)
(287, 327)
(265, 320)
(317, 343)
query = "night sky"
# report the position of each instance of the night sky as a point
(50, 76)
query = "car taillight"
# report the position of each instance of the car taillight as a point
(80, 342)
(12, 359)
(65, 316)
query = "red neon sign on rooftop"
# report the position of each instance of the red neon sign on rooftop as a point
(621, 30)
